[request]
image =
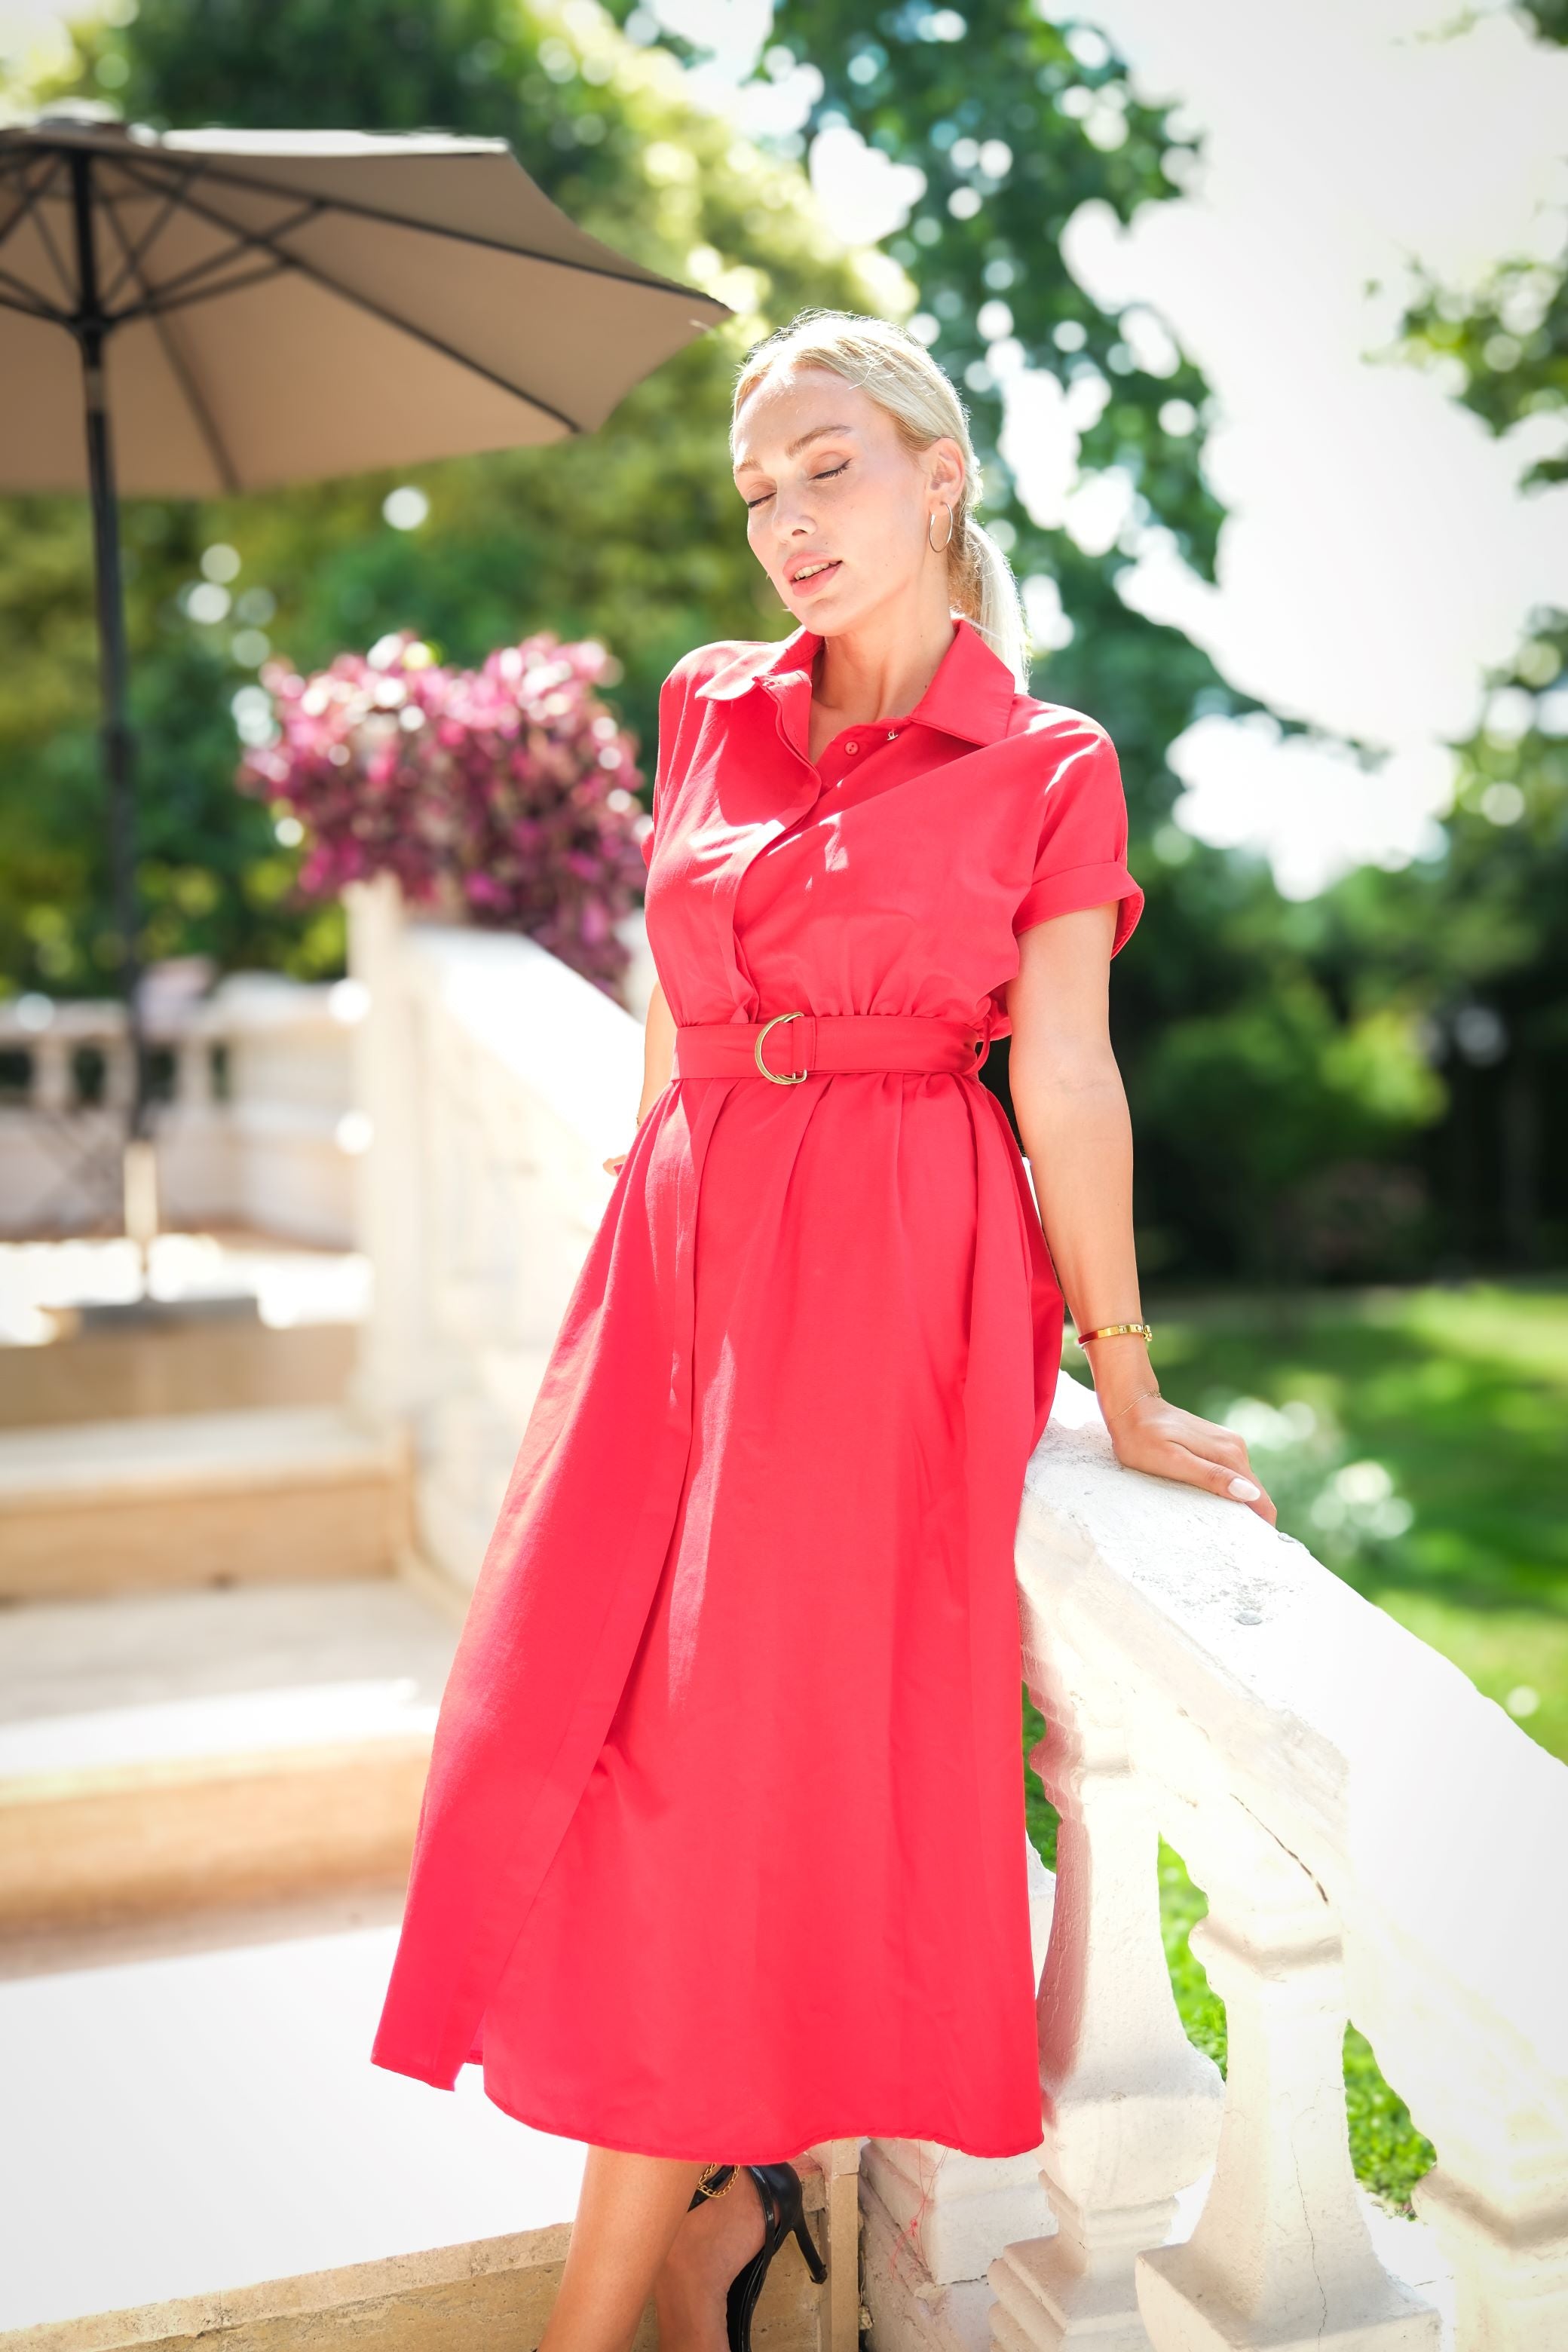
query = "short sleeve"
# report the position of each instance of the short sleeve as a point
(1081, 858)
(671, 695)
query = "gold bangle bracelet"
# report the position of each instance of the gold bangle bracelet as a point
(1115, 1331)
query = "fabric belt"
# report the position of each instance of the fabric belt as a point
(794, 1046)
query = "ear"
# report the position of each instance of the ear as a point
(944, 470)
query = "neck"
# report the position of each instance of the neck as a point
(880, 669)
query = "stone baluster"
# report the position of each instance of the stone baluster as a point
(119, 1071)
(53, 1089)
(1280, 2260)
(1497, 2198)
(1508, 2249)
(1131, 2108)
(193, 1072)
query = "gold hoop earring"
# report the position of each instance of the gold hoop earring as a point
(947, 541)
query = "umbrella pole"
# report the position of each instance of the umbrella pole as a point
(139, 1183)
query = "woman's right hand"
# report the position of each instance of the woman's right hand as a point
(613, 1167)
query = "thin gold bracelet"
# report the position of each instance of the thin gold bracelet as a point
(1142, 1396)
(1115, 1331)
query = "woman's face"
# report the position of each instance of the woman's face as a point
(837, 509)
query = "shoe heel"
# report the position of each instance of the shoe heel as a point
(814, 2261)
(784, 2216)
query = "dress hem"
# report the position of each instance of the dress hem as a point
(813, 2140)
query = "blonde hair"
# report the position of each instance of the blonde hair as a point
(899, 374)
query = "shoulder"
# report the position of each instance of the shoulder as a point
(1064, 751)
(1058, 726)
(725, 666)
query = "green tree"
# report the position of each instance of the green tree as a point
(625, 533)
(1491, 931)
(633, 533)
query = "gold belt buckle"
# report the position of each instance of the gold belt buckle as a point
(780, 1078)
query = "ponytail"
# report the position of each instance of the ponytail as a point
(985, 590)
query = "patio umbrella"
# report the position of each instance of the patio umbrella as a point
(253, 307)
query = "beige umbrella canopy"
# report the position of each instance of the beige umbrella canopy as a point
(244, 309)
(285, 305)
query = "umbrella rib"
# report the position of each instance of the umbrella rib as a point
(25, 203)
(242, 243)
(29, 204)
(32, 308)
(158, 305)
(653, 282)
(206, 424)
(149, 237)
(390, 318)
(45, 239)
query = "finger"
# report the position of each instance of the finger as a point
(1215, 1442)
(1223, 1479)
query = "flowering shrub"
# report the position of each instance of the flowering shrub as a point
(509, 789)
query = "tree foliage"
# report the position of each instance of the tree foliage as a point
(1305, 1078)
(627, 534)
(1492, 939)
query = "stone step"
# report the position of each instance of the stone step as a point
(161, 1751)
(200, 1364)
(272, 1495)
(198, 2150)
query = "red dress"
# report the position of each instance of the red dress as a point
(722, 1849)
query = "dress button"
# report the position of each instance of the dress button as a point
(852, 746)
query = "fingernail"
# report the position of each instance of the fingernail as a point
(1244, 1490)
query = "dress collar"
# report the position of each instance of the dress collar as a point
(969, 696)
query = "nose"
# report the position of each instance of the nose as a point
(792, 516)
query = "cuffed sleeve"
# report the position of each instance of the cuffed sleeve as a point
(1081, 858)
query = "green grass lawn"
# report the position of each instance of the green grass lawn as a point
(1415, 1441)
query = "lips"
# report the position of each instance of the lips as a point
(804, 585)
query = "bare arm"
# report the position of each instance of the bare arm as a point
(1072, 1115)
(658, 1060)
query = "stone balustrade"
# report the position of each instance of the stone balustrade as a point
(253, 1119)
(1377, 1841)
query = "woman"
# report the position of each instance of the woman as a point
(722, 1851)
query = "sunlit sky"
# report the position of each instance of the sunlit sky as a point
(1377, 557)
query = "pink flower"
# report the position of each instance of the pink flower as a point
(496, 779)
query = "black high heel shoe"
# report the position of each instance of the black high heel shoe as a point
(778, 2186)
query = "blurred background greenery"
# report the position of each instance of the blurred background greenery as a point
(1351, 1109)
(1386, 1062)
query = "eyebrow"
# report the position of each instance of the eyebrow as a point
(816, 434)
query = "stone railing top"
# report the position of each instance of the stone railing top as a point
(1236, 1660)
(243, 1003)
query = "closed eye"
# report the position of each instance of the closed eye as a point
(824, 476)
